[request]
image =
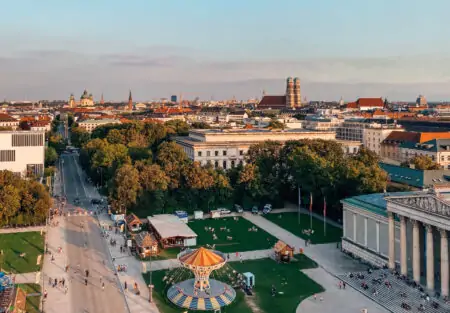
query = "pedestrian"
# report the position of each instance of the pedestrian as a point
(240, 257)
(321, 299)
(103, 286)
(125, 286)
(50, 281)
(56, 282)
(315, 297)
(85, 281)
(340, 285)
(45, 294)
(343, 284)
(65, 290)
(63, 282)
(53, 258)
(87, 273)
(228, 256)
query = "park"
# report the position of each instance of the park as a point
(21, 251)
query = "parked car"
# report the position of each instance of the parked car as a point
(255, 210)
(238, 208)
(267, 208)
(96, 201)
(223, 211)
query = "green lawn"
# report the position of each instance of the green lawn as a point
(243, 240)
(165, 306)
(12, 245)
(294, 285)
(32, 305)
(289, 221)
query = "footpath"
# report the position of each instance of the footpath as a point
(58, 298)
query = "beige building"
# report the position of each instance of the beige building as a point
(374, 135)
(437, 149)
(227, 148)
(8, 121)
(90, 125)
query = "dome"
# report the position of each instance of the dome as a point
(297, 80)
(202, 257)
(289, 79)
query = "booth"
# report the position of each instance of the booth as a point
(283, 251)
(134, 224)
(215, 214)
(198, 215)
(249, 279)
(146, 244)
(182, 215)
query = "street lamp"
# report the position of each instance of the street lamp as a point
(150, 285)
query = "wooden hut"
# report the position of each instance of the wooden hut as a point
(134, 224)
(146, 244)
(283, 251)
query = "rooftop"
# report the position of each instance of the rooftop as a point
(168, 225)
(202, 257)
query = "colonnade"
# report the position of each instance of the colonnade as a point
(416, 253)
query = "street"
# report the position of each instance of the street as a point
(86, 248)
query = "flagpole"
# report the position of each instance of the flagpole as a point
(299, 204)
(310, 211)
(324, 217)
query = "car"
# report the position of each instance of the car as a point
(255, 209)
(96, 201)
(267, 208)
(223, 211)
(238, 208)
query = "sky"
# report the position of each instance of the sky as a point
(224, 48)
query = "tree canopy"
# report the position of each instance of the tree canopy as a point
(422, 162)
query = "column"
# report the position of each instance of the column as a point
(391, 227)
(416, 252)
(430, 258)
(444, 263)
(403, 248)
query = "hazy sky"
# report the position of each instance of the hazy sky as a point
(221, 48)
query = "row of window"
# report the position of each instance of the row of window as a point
(224, 164)
(27, 140)
(7, 155)
(216, 153)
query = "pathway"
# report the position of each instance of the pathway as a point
(331, 262)
(21, 229)
(26, 278)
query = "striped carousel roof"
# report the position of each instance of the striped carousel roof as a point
(201, 257)
(177, 297)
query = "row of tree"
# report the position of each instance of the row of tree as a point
(22, 201)
(143, 170)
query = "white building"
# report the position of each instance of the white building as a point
(374, 135)
(90, 125)
(227, 148)
(40, 126)
(8, 121)
(22, 152)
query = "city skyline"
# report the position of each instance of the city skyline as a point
(222, 50)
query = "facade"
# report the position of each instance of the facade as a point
(228, 148)
(351, 130)
(366, 104)
(291, 99)
(85, 100)
(40, 126)
(406, 230)
(22, 152)
(374, 135)
(437, 149)
(321, 123)
(90, 125)
(8, 121)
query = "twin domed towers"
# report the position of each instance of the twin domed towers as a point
(293, 94)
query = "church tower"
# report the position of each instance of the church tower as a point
(289, 92)
(72, 101)
(297, 93)
(102, 102)
(130, 102)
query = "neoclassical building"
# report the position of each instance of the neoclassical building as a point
(405, 230)
(85, 100)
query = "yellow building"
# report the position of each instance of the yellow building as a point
(86, 100)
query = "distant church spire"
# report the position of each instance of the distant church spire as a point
(130, 102)
(102, 101)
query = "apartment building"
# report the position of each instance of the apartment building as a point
(322, 123)
(227, 148)
(8, 121)
(90, 124)
(22, 152)
(437, 149)
(375, 134)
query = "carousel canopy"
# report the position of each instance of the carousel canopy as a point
(202, 257)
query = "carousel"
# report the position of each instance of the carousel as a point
(201, 292)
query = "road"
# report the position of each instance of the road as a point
(86, 248)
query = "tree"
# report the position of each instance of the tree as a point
(422, 162)
(126, 188)
(181, 128)
(79, 136)
(9, 203)
(200, 125)
(6, 128)
(50, 156)
(23, 125)
(275, 124)
(115, 136)
(172, 159)
(57, 142)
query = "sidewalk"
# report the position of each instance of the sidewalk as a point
(26, 278)
(21, 229)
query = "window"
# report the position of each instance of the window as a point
(224, 164)
(442, 158)
(35, 169)
(27, 140)
(224, 152)
(448, 158)
(216, 164)
(208, 153)
(199, 153)
(7, 155)
(241, 162)
(216, 153)
(232, 163)
(241, 152)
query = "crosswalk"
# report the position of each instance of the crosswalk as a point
(391, 292)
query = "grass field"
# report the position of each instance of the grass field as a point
(32, 305)
(294, 285)
(165, 306)
(289, 221)
(287, 279)
(243, 240)
(13, 245)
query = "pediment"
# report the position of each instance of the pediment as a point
(428, 203)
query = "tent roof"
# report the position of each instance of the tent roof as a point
(168, 225)
(202, 257)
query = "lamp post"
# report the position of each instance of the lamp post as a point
(150, 285)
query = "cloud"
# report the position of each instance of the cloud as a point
(159, 71)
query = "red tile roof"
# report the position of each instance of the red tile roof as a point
(7, 118)
(352, 105)
(272, 102)
(370, 102)
(402, 136)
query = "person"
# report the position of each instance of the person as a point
(85, 281)
(87, 273)
(63, 281)
(103, 286)
(125, 286)
(343, 284)
(45, 294)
